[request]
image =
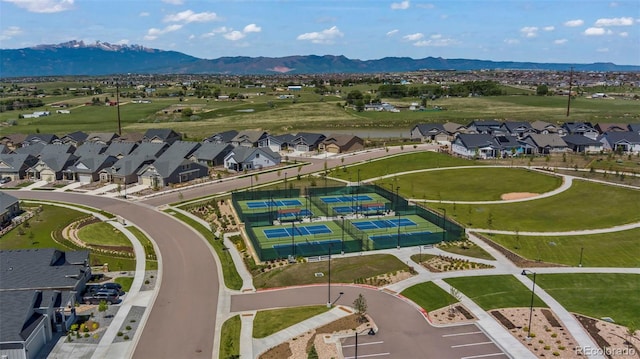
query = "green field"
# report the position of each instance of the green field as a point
(38, 234)
(268, 322)
(494, 292)
(230, 338)
(585, 205)
(103, 234)
(429, 296)
(616, 249)
(596, 294)
(471, 184)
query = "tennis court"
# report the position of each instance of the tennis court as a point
(341, 199)
(384, 223)
(309, 248)
(273, 233)
(379, 207)
(274, 203)
(294, 214)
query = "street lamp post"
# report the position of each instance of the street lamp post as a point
(329, 280)
(342, 244)
(533, 288)
(293, 242)
(398, 213)
(370, 332)
(581, 251)
(444, 223)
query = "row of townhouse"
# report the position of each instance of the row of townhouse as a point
(490, 139)
(159, 159)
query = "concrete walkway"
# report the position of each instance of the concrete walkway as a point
(34, 185)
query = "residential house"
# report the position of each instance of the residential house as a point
(280, 142)
(620, 142)
(475, 145)
(611, 127)
(430, 132)
(250, 138)
(307, 142)
(580, 128)
(125, 171)
(15, 165)
(33, 149)
(38, 292)
(337, 143)
(4, 149)
(222, 137)
(211, 154)
(582, 144)
(181, 149)
(634, 127)
(244, 158)
(87, 168)
(90, 148)
(51, 166)
(9, 208)
(170, 168)
(517, 128)
(13, 141)
(120, 149)
(160, 135)
(102, 137)
(546, 143)
(74, 138)
(546, 128)
(130, 137)
(454, 128)
(486, 127)
(509, 146)
(44, 138)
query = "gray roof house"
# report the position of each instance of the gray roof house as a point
(546, 143)
(172, 167)
(211, 154)
(307, 141)
(244, 158)
(38, 292)
(15, 165)
(634, 127)
(581, 144)
(181, 149)
(33, 149)
(45, 138)
(430, 132)
(87, 168)
(280, 142)
(74, 138)
(475, 145)
(125, 171)
(120, 149)
(222, 137)
(90, 148)
(519, 129)
(580, 128)
(165, 135)
(250, 138)
(624, 142)
(102, 137)
(51, 167)
(9, 208)
(486, 127)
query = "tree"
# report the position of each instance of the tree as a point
(102, 307)
(456, 298)
(542, 90)
(360, 304)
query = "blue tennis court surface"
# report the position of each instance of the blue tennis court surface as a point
(352, 209)
(301, 213)
(308, 248)
(409, 235)
(339, 199)
(384, 223)
(272, 233)
(278, 203)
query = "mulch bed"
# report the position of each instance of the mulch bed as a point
(551, 318)
(515, 258)
(504, 320)
(590, 325)
(465, 312)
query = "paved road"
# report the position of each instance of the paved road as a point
(183, 317)
(404, 333)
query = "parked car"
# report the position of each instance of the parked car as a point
(110, 297)
(4, 180)
(113, 286)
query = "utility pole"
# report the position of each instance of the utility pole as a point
(118, 107)
(569, 98)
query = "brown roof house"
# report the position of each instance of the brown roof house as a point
(341, 143)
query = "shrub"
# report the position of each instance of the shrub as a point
(120, 334)
(547, 347)
(126, 337)
(556, 354)
(128, 327)
(554, 335)
(86, 335)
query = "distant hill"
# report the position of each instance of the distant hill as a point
(101, 58)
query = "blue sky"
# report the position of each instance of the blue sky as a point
(517, 30)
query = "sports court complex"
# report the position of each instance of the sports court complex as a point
(318, 221)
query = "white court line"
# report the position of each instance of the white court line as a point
(455, 335)
(470, 344)
(361, 344)
(482, 356)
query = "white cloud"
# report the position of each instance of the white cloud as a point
(144, 14)
(597, 31)
(252, 28)
(326, 36)
(404, 5)
(192, 36)
(529, 31)
(153, 33)
(602, 49)
(10, 32)
(574, 23)
(560, 41)
(549, 28)
(437, 41)
(173, 2)
(511, 41)
(616, 21)
(392, 32)
(413, 37)
(43, 6)
(234, 35)
(188, 16)
(624, 34)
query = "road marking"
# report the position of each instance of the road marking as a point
(368, 355)
(361, 344)
(483, 356)
(470, 344)
(455, 335)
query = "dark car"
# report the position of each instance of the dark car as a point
(5, 180)
(110, 297)
(113, 286)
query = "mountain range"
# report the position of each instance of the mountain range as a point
(102, 58)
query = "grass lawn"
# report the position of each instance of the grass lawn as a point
(231, 277)
(148, 247)
(230, 338)
(566, 211)
(116, 264)
(343, 270)
(125, 282)
(268, 322)
(617, 249)
(38, 234)
(400, 163)
(103, 234)
(596, 295)
(471, 184)
(493, 292)
(429, 296)
(465, 248)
